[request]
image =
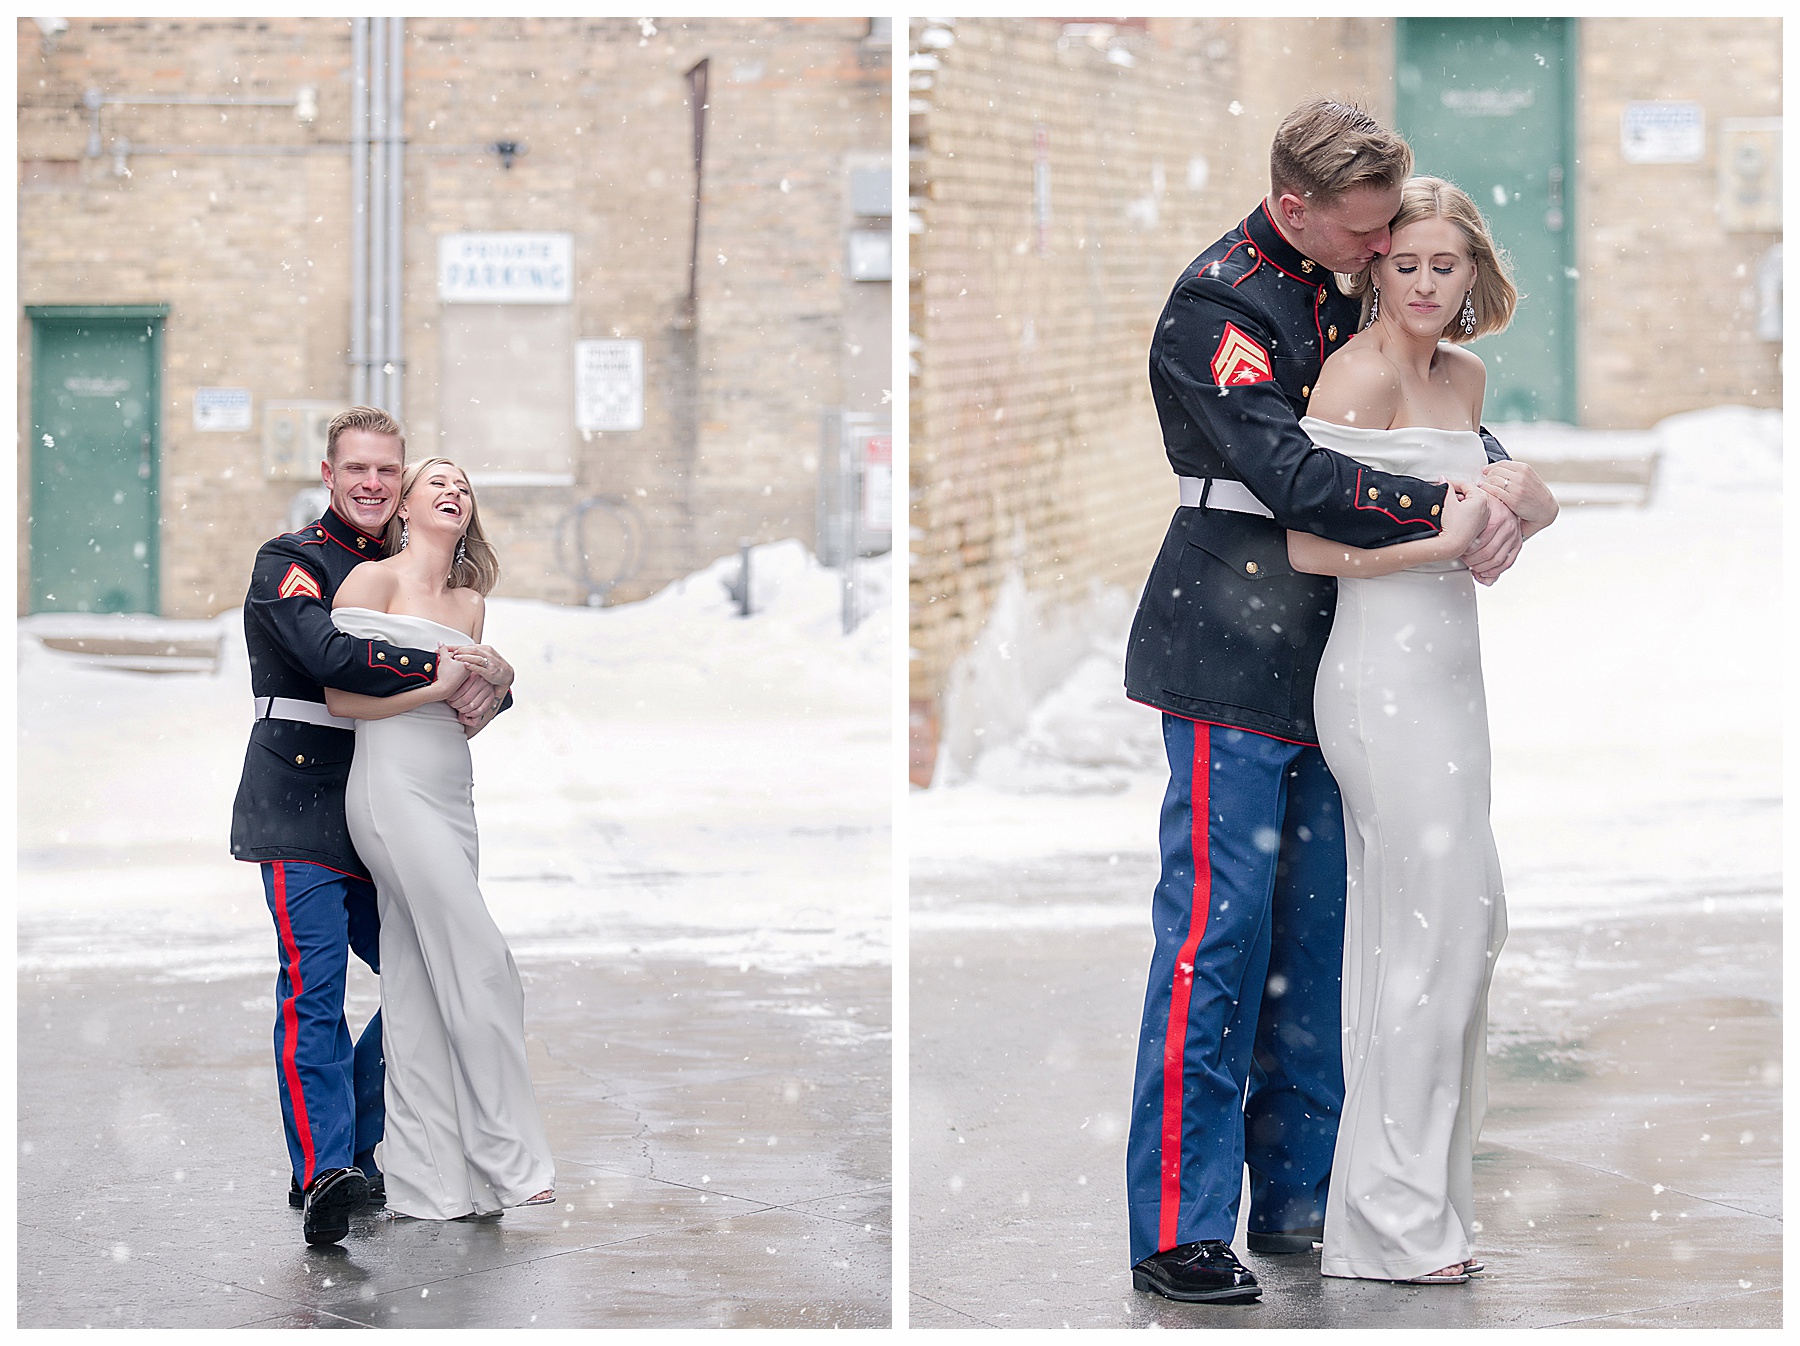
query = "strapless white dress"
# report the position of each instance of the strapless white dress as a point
(1402, 721)
(463, 1135)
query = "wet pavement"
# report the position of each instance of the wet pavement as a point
(1629, 1174)
(721, 1136)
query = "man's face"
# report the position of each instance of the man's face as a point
(1352, 231)
(365, 480)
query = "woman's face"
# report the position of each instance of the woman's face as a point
(1424, 276)
(440, 498)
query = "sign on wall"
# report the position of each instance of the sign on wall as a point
(509, 268)
(878, 484)
(221, 408)
(1662, 133)
(609, 385)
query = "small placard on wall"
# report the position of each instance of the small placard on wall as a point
(1662, 133)
(222, 409)
(609, 385)
(506, 268)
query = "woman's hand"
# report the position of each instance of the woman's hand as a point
(1520, 489)
(485, 661)
(491, 676)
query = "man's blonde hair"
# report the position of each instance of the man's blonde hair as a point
(372, 419)
(1493, 296)
(1324, 149)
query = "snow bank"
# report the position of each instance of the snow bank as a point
(673, 779)
(1632, 660)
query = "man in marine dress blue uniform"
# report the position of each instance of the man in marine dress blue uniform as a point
(1239, 1059)
(289, 813)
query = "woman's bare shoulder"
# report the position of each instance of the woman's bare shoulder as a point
(471, 608)
(1358, 385)
(370, 585)
(1463, 365)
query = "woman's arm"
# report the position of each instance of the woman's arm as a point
(1465, 512)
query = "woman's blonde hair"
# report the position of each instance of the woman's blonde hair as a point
(1494, 296)
(479, 566)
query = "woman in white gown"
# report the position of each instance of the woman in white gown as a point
(463, 1135)
(1402, 720)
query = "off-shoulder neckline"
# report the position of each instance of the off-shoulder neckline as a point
(411, 617)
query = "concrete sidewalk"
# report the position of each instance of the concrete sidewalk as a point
(721, 1140)
(1629, 1173)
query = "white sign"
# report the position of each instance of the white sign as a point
(221, 408)
(1662, 133)
(878, 484)
(1487, 102)
(506, 268)
(609, 385)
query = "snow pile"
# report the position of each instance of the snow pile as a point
(1632, 662)
(673, 779)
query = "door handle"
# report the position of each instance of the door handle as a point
(1553, 217)
(144, 458)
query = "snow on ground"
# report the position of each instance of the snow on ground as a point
(1632, 661)
(672, 780)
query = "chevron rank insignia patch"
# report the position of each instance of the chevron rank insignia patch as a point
(299, 580)
(1239, 360)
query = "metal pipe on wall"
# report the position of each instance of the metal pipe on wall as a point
(359, 212)
(395, 360)
(378, 203)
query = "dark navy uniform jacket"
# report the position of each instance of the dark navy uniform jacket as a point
(290, 800)
(1227, 631)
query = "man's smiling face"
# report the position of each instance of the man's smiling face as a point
(365, 479)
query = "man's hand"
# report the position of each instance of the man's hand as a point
(1495, 549)
(479, 696)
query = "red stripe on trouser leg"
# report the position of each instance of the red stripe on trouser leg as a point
(1175, 1040)
(290, 1022)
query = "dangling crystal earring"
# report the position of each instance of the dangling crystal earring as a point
(403, 535)
(1468, 313)
(462, 552)
(1374, 310)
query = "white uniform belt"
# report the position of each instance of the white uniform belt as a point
(1231, 495)
(309, 712)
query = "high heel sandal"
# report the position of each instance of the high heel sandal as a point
(1456, 1277)
(547, 1197)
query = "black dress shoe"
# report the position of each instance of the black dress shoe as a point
(1207, 1272)
(377, 1192)
(329, 1201)
(1286, 1240)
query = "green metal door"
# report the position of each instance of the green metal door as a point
(1488, 104)
(95, 375)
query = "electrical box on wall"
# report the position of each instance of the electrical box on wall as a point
(1750, 174)
(293, 439)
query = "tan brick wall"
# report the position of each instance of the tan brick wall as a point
(252, 253)
(1667, 297)
(1035, 448)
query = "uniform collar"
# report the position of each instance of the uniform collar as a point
(352, 537)
(1278, 252)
